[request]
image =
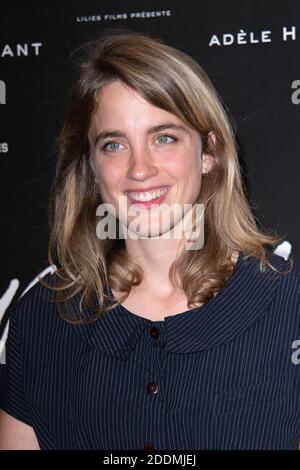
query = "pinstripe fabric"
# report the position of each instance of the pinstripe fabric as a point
(224, 371)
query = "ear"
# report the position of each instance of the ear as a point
(207, 158)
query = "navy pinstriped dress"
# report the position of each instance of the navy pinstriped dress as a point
(225, 375)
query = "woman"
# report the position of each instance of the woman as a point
(144, 339)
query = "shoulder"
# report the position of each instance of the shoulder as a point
(275, 288)
(36, 328)
(288, 272)
(35, 307)
(287, 298)
(285, 273)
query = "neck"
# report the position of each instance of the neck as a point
(155, 256)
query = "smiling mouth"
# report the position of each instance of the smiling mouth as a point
(147, 195)
(148, 198)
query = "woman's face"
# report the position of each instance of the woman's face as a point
(137, 147)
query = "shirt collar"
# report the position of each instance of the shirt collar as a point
(242, 301)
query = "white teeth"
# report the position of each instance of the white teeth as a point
(148, 195)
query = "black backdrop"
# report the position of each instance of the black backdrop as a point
(250, 49)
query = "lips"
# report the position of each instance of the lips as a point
(148, 198)
(149, 188)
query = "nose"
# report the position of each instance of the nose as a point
(141, 164)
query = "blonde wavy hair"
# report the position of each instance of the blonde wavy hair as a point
(172, 80)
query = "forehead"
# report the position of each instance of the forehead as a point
(121, 110)
(121, 106)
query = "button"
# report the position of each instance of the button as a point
(154, 332)
(152, 388)
(148, 446)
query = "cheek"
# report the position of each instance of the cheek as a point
(108, 174)
(187, 168)
(192, 176)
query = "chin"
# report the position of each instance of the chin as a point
(153, 233)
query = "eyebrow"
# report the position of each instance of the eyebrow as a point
(160, 127)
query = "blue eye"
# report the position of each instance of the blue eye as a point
(165, 137)
(113, 148)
